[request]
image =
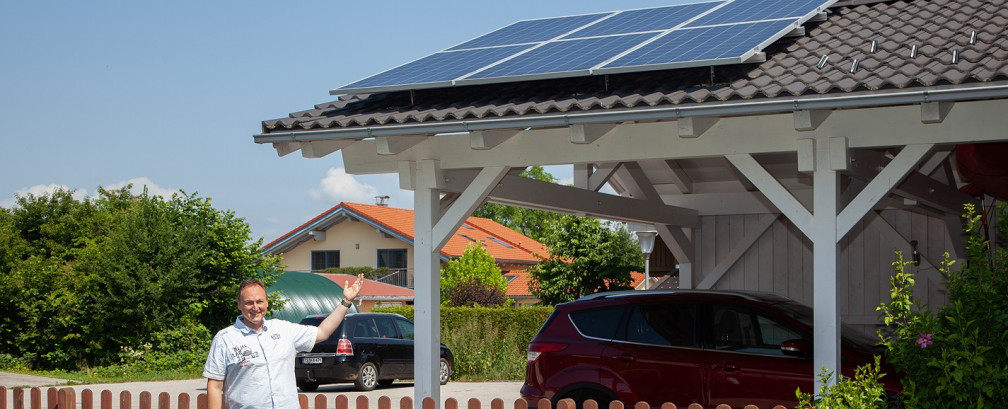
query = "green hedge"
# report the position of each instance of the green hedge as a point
(489, 343)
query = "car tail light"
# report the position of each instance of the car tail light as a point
(536, 349)
(344, 347)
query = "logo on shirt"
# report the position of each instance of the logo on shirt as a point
(243, 354)
(275, 336)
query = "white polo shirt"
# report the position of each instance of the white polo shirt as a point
(258, 368)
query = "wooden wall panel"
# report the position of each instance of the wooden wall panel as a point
(780, 261)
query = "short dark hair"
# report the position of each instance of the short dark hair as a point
(248, 283)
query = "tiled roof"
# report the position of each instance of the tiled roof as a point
(519, 286)
(504, 244)
(937, 28)
(372, 290)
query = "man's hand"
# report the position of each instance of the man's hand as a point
(351, 291)
(330, 323)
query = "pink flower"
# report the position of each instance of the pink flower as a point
(924, 340)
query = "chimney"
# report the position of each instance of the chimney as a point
(381, 200)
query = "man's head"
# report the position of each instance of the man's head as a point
(252, 302)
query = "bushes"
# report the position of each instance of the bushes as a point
(959, 356)
(488, 343)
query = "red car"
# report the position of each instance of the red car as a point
(683, 346)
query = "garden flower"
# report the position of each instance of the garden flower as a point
(924, 340)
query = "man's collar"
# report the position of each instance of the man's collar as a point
(245, 329)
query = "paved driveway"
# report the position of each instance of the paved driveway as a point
(461, 391)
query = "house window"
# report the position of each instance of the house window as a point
(321, 260)
(393, 259)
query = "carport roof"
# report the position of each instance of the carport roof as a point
(940, 43)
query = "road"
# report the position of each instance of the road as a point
(485, 392)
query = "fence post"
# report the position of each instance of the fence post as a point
(67, 398)
(342, 402)
(567, 403)
(303, 401)
(644, 405)
(320, 401)
(474, 403)
(125, 400)
(87, 399)
(590, 404)
(164, 400)
(668, 405)
(406, 403)
(3, 401)
(106, 399)
(362, 402)
(201, 401)
(451, 403)
(695, 406)
(384, 402)
(428, 403)
(52, 398)
(183, 401)
(36, 398)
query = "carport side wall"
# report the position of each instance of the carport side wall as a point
(780, 260)
(357, 242)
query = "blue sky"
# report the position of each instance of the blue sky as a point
(169, 94)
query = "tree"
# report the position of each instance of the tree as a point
(92, 280)
(531, 223)
(585, 256)
(473, 278)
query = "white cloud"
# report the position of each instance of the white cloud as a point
(79, 194)
(140, 183)
(338, 186)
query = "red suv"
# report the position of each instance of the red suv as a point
(683, 346)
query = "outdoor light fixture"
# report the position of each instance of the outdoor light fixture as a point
(916, 254)
(646, 239)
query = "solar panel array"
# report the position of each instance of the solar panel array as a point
(696, 34)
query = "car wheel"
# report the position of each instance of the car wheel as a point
(445, 371)
(385, 382)
(367, 377)
(307, 386)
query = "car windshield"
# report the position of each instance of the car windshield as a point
(803, 313)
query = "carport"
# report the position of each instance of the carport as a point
(799, 172)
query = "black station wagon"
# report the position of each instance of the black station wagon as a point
(368, 349)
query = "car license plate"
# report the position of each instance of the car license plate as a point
(311, 360)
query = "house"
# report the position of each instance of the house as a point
(799, 168)
(362, 235)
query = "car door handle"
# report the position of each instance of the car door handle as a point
(625, 357)
(728, 367)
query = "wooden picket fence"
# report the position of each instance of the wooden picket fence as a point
(66, 398)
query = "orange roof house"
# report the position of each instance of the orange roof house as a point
(361, 235)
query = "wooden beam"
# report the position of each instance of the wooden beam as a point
(285, 148)
(773, 190)
(679, 176)
(866, 165)
(533, 194)
(394, 145)
(880, 186)
(588, 133)
(483, 140)
(471, 198)
(318, 149)
(692, 127)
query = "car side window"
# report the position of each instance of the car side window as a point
(662, 324)
(745, 330)
(365, 329)
(386, 329)
(598, 323)
(405, 328)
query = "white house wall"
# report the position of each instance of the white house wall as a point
(780, 260)
(357, 242)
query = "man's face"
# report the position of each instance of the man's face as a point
(253, 305)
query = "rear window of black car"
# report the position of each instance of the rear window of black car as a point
(599, 322)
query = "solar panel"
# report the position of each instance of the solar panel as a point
(698, 34)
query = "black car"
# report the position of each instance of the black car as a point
(368, 349)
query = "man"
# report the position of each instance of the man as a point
(251, 363)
